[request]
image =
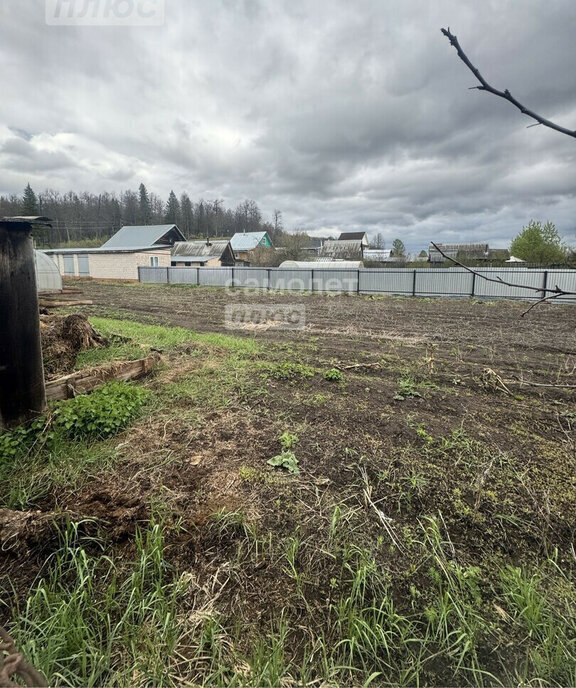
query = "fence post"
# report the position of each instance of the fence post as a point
(414, 283)
(268, 277)
(197, 277)
(358, 280)
(473, 284)
(22, 391)
(312, 279)
(232, 277)
(167, 275)
(544, 283)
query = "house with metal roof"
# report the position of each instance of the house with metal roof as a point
(349, 249)
(143, 236)
(355, 236)
(243, 243)
(466, 252)
(212, 254)
(120, 257)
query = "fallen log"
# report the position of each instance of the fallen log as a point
(85, 381)
(53, 303)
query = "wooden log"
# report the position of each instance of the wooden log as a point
(85, 381)
(63, 303)
(21, 372)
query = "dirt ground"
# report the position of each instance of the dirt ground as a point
(486, 333)
(416, 372)
(453, 407)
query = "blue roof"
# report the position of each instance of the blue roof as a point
(136, 236)
(246, 241)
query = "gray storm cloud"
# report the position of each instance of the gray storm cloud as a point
(343, 115)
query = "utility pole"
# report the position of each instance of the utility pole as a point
(22, 393)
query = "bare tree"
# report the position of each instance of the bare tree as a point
(485, 86)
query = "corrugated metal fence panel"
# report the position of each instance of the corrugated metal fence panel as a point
(563, 279)
(485, 289)
(335, 280)
(291, 279)
(183, 275)
(252, 278)
(438, 282)
(153, 275)
(386, 281)
(401, 281)
(215, 277)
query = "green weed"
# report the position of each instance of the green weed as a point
(334, 375)
(288, 371)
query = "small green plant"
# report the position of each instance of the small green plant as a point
(101, 414)
(407, 387)
(286, 459)
(334, 375)
(22, 439)
(288, 439)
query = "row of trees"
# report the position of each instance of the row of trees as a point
(89, 219)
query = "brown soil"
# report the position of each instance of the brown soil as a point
(441, 420)
(63, 337)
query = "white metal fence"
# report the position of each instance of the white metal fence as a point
(452, 282)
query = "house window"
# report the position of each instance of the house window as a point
(153, 261)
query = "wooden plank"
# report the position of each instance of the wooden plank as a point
(53, 303)
(85, 381)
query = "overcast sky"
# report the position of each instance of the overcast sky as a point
(343, 114)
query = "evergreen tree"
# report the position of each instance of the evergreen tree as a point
(186, 214)
(29, 202)
(145, 207)
(172, 215)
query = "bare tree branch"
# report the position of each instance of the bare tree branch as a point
(485, 86)
(549, 294)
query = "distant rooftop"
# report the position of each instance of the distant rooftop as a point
(137, 236)
(247, 241)
(346, 249)
(353, 236)
(187, 250)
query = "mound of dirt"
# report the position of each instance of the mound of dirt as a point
(63, 337)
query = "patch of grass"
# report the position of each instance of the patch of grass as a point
(170, 337)
(287, 370)
(409, 387)
(91, 621)
(65, 465)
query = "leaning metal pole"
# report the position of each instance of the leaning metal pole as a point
(22, 393)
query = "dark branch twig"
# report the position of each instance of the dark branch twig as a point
(485, 86)
(550, 294)
(12, 664)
